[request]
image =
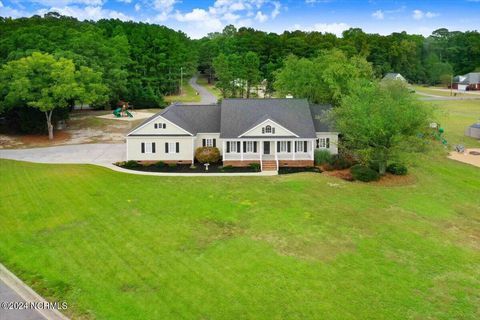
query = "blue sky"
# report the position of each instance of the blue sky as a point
(197, 18)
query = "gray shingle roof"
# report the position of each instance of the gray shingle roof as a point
(319, 117)
(195, 118)
(240, 115)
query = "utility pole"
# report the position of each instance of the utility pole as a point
(181, 79)
(451, 85)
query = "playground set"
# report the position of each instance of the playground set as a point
(122, 110)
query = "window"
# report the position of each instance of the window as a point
(282, 146)
(172, 147)
(209, 142)
(299, 146)
(148, 147)
(250, 146)
(233, 146)
(322, 143)
(268, 129)
(160, 125)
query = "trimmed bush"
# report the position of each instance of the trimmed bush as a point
(227, 168)
(172, 165)
(322, 156)
(160, 164)
(132, 164)
(340, 162)
(363, 173)
(397, 169)
(207, 155)
(255, 166)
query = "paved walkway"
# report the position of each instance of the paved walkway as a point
(13, 289)
(206, 96)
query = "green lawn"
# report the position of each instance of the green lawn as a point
(454, 116)
(302, 246)
(188, 95)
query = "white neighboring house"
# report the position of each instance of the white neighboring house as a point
(394, 76)
(271, 132)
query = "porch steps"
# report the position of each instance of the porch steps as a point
(269, 165)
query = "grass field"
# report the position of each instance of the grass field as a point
(188, 95)
(303, 246)
(454, 116)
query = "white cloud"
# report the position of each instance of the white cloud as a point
(378, 15)
(335, 28)
(63, 3)
(87, 13)
(419, 14)
(1, 4)
(137, 7)
(260, 17)
(125, 1)
(276, 9)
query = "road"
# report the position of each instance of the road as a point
(206, 96)
(432, 97)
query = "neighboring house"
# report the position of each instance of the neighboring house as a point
(394, 76)
(272, 132)
(469, 81)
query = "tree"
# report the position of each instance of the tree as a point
(380, 121)
(43, 82)
(324, 79)
(251, 69)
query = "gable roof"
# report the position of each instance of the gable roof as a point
(318, 116)
(469, 78)
(240, 115)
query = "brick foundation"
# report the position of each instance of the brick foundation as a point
(239, 163)
(281, 163)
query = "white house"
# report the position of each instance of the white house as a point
(271, 132)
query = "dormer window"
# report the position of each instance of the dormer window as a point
(268, 129)
(160, 125)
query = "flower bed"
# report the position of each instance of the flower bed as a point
(186, 168)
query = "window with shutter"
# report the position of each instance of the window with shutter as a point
(328, 143)
(305, 146)
(203, 143)
(143, 147)
(177, 147)
(155, 126)
(166, 147)
(153, 147)
(164, 125)
(228, 146)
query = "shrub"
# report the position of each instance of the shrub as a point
(397, 169)
(160, 164)
(255, 166)
(132, 164)
(227, 168)
(172, 165)
(207, 155)
(363, 173)
(322, 156)
(340, 162)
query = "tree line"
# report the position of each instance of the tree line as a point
(429, 60)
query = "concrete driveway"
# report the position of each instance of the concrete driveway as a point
(101, 153)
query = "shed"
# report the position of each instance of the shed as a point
(473, 130)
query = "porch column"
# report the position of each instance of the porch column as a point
(241, 150)
(193, 151)
(312, 149)
(294, 142)
(223, 150)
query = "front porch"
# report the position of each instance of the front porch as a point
(271, 153)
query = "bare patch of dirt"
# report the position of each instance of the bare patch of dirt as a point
(342, 174)
(42, 139)
(391, 180)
